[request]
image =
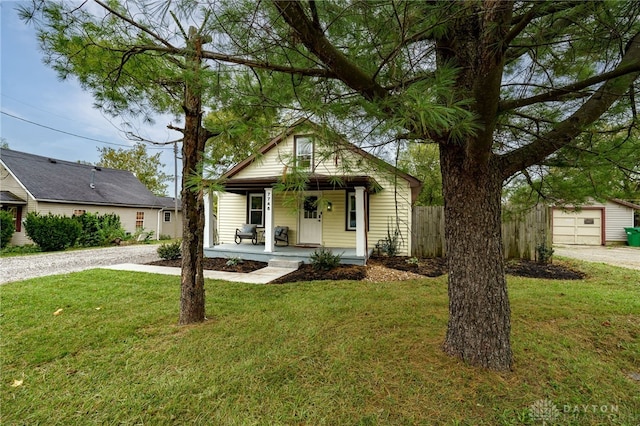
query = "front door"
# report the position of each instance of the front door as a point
(310, 230)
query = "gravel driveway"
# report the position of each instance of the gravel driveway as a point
(39, 265)
(625, 256)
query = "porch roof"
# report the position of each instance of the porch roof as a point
(316, 182)
(7, 197)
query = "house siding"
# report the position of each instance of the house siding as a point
(231, 214)
(172, 228)
(617, 218)
(383, 214)
(272, 163)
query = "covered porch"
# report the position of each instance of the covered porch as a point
(257, 252)
(313, 226)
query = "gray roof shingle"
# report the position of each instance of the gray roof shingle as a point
(10, 198)
(64, 181)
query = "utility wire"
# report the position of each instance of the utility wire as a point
(69, 133)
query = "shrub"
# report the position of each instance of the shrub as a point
(391, 244)
(52, 232)
(99, 230)
(324, 259)
(544, 253)
(170, 251)
(234, 261)
(7, 228)
(413, 261)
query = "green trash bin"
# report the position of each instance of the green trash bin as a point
(633, 236)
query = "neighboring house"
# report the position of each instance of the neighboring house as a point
(32, 183)
(594, 223)
(328, 192)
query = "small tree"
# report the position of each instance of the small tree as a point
(7, 228)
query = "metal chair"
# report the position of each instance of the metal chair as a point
(248, 231)
(281, 234)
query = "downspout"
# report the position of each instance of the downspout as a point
(158, 225)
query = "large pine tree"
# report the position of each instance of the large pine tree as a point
(499, 85)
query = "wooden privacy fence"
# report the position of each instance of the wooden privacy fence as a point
(521, 234)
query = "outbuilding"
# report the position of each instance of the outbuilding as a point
(594, 223)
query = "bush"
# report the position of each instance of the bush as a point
(324, 259)
(170, 251)
(234, 261)
(7, 228)
(391, 244)
(99, 230)
(544, 253)
(52, 232)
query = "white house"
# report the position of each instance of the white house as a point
(594, 223)
(324, 191)
(32, 183)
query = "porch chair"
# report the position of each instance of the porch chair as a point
(281, 233)
(247, 231)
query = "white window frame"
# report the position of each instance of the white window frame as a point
(302, 157)
(167, 212)
(351, 201)
(251, 210)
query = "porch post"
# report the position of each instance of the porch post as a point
(361, 228)
(208, 220)
(268, 220)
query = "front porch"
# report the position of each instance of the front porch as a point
(249, 251)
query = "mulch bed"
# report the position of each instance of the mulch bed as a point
(429, 267)
(217, 264)
(551, 271)
(309, 273)
(434, 267)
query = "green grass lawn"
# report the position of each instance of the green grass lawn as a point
(318, 353)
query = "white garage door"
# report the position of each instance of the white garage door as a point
(583, 227)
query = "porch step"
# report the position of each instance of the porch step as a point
(281, 263)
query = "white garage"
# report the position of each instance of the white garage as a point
(593, 224)
(578, 227)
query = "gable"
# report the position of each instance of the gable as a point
(333, 158)
(55, 180)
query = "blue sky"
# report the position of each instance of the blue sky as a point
(31, 91)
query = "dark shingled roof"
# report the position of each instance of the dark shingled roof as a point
(64, 181)
(10, 198)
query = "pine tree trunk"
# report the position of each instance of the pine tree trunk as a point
(479, 315)
(192, 301)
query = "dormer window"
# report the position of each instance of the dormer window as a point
(304, 153)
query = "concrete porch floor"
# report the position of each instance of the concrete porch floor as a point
(248, 251)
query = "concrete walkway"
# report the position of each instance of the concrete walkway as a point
(261, 276)
(125, 258)
(624, 256)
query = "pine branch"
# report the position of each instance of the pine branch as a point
(565, 131)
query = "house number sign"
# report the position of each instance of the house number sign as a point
(268, 201)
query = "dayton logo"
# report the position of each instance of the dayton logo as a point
(544, 411)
